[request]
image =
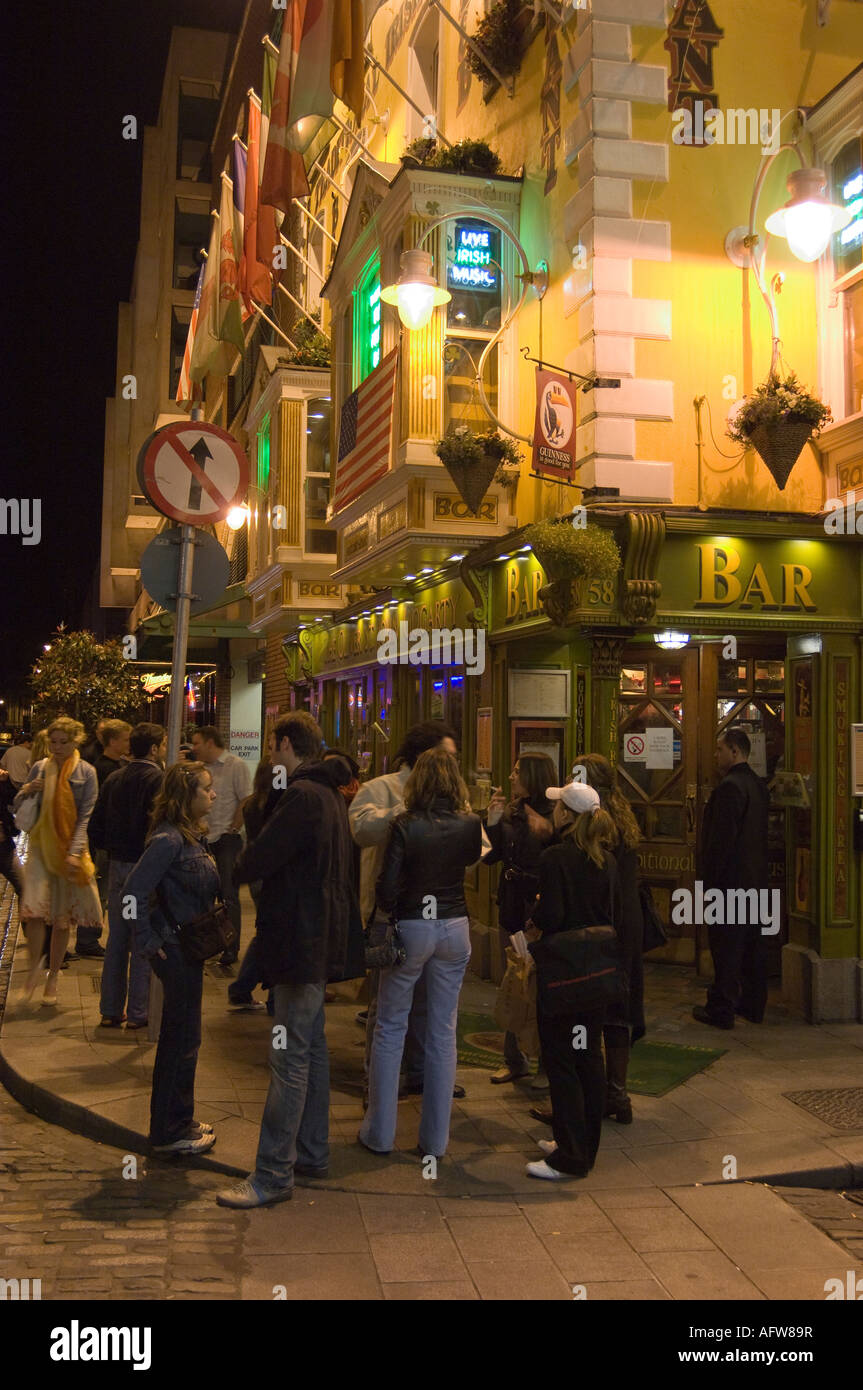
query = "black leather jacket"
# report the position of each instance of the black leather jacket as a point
(426, 856)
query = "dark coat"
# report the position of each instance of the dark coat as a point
(734, 837)
(518, 850)
(575, 892)
(121, 816)
(426, 856)
(631, 936)
(308, 916)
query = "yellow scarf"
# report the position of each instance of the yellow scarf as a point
(57, 820)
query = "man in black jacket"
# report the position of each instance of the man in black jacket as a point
(118, 827)
(735, 857)
(308, 920)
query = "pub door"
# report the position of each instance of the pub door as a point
(658, 758)
(747, 691)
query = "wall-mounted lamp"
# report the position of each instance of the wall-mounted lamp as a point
(416, 293)
(807, 221)
(671, 641)
(237, 517)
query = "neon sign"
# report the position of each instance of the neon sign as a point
(473, 260)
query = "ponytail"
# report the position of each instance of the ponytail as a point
(595, 833)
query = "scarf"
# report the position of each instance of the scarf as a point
(57, 820)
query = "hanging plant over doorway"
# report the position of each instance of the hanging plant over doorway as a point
(499, 35)
(473, 460)
(777, 420)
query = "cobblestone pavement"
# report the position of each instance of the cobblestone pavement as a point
(70, 1218)
(838, 1214)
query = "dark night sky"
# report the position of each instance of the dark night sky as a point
(71, 203)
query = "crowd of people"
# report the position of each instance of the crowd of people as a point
(352, 879)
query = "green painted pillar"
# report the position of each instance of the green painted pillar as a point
(606, 652)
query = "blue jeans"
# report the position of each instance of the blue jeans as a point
(172, 1104)
(438, 951)
(123, 961)
(295, 1127)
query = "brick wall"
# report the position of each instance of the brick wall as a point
(278, 690)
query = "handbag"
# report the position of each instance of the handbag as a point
(577, 971)
(387, 953)
(515, 1006)
(207, 935)
(28, 813)
(654, 933)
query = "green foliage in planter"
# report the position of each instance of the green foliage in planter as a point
(563, 549)
(462, 446)
(465, 157)
(85, 678)
(777, 402)
(499, 38)
(313, 349)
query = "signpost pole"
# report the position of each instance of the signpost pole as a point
(181, 641)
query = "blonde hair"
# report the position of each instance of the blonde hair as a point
(603, 778)
(593, 831)
(174, 801)
(68, 726)
(435, 775)
(40, 747)
(112, 728)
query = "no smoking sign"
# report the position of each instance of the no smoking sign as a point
(634, 748)
(193, 472)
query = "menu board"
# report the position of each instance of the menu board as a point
(539, 693)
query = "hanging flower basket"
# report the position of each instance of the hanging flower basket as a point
(472, 460)
(569, 553)
(777, 420)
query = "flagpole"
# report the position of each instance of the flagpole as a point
(258, 310)
(329, 178)
(300, 257)
(318, 224)
(439, 135)
(312, 321)
(340, 123)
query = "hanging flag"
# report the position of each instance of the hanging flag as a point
(255, 281)
(229, 311)
(188, 390)
(302, 99)
(209, 355)
(347, 59)
(239, 169)
(364, 433)
(269, 219)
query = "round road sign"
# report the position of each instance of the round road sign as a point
(193, 472)
(160, 566)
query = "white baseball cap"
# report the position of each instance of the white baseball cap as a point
(576, 796)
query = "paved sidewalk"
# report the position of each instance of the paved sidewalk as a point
(60, 1063)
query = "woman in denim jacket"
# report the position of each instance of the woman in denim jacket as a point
(174, 881)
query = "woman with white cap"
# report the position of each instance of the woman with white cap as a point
(578, 887)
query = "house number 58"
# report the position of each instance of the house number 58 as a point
(600, 591)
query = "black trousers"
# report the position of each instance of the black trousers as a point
(576, 1078)
(739, 954)
(172, 1103)
(10, 865)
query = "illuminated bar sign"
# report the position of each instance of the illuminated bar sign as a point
(473, 263)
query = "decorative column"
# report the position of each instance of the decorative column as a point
(287, 490)
(606, 652)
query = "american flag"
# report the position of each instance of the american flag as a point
(364, 433)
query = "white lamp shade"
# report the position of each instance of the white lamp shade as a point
(808, 220)
(671, 641)
(416, 293)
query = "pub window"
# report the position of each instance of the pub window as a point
(848, 267)
(367, 321)
(264, 454)
(319, 540)
(423, 75)
(474, 279)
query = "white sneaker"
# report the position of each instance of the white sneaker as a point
(542, 1170)
(192, 1144)
(548, 1146)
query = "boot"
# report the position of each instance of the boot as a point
(617, 1102)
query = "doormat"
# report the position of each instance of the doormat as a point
(655, 1068)
(842, 1108)
(480, 1042)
